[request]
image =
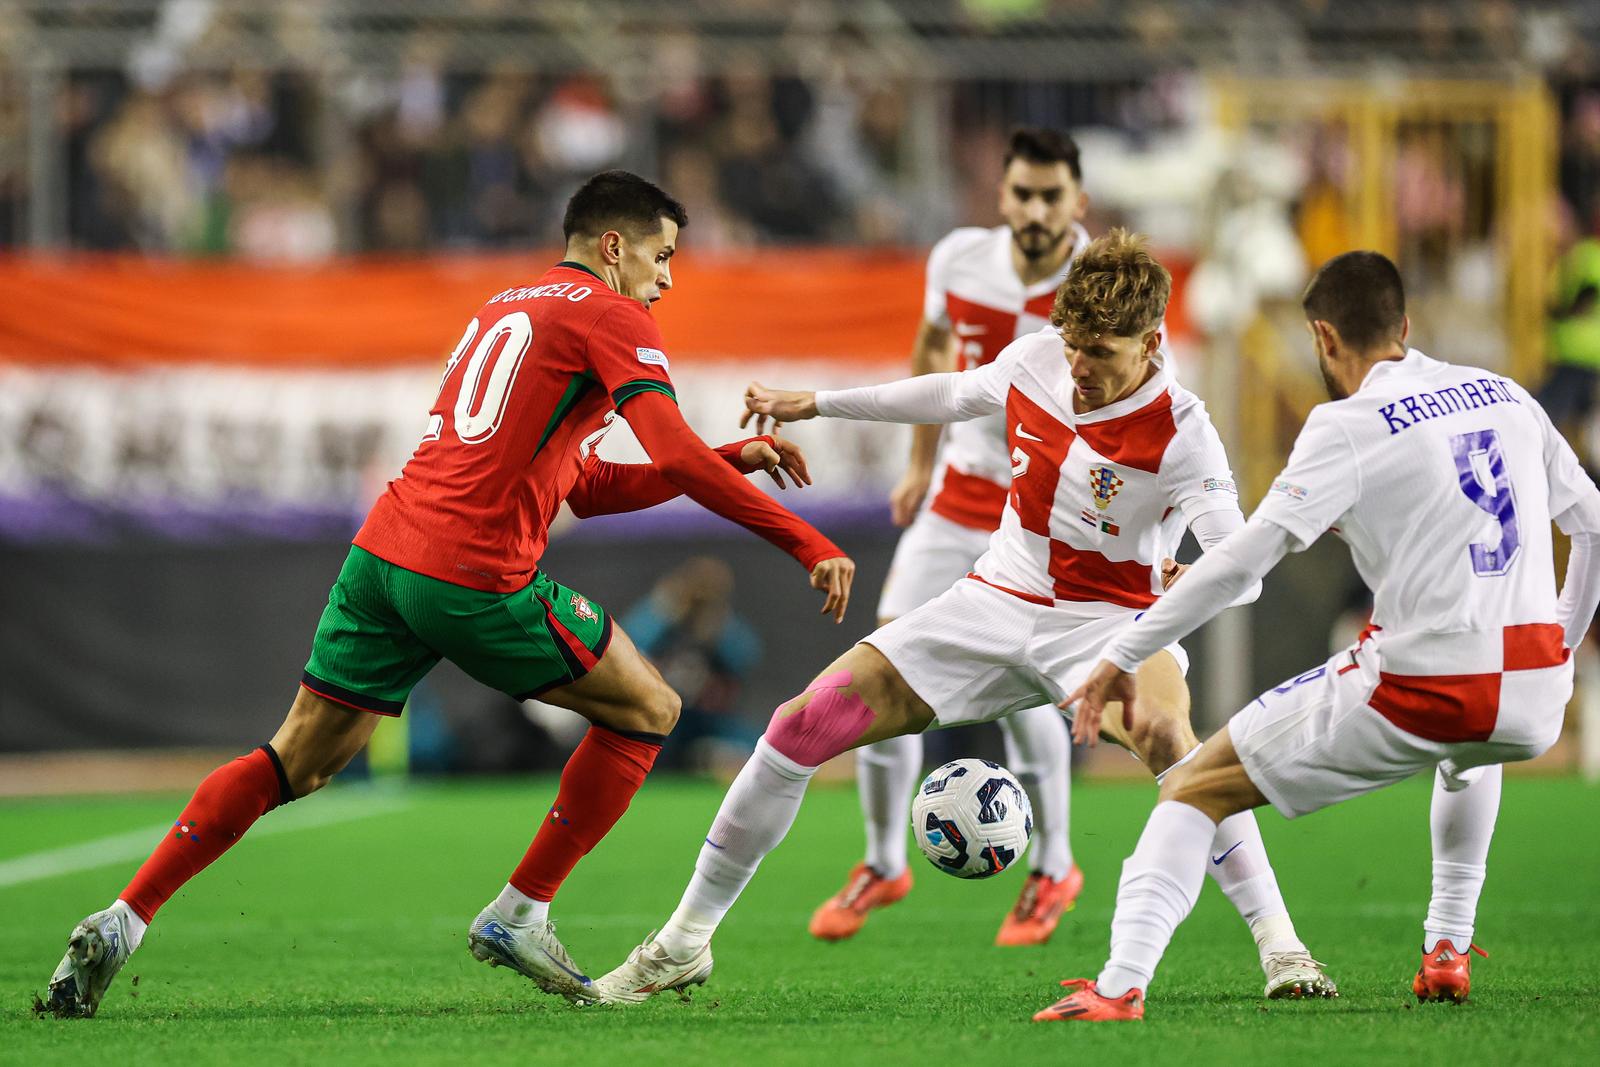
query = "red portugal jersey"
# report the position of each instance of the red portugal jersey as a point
(537, 372)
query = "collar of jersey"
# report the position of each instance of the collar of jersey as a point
(1411, 363)
(1127, 405)
(572, 264)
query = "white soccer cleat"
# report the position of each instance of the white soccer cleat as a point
(648, 970)
(533, 951)
(96, 951)
(1294, 975)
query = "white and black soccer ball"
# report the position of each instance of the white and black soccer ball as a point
(972, 818)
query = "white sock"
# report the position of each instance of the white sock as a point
(519, 909)
(1246, 876)
(755, 815)
(1039, 753)
(1160, 883)
(1463, 825)
(136, 926)
(886, 774)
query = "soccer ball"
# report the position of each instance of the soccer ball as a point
(972, 818)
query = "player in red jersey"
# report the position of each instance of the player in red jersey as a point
(446, 566)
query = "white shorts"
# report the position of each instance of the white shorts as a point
(976, 653)
(1315, 740)
(933, 554)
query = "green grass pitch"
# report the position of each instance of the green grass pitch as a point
(341, 938)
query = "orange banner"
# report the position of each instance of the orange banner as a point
(125, 310)
(834, 304)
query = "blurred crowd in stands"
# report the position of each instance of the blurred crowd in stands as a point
(285, 162)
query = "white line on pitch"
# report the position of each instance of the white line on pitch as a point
(136, 844)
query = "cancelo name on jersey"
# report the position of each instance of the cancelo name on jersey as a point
(533, 292)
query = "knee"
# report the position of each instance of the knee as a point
(1161, 741)
(821, 723)
(658, 711)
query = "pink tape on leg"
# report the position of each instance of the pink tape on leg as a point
(831, 722)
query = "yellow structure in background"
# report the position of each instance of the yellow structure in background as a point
(1432, 171)
(389, 751)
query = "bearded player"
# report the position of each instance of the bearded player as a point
(1466, 664)
(985, 289)
(1111, 459)
(446, 566)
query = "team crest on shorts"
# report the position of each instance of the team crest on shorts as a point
(1105, 484)
(583, 609)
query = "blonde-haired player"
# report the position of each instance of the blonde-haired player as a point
(1111, 458)
(986, 287)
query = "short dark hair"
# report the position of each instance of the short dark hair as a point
(617, 200)
(1040, 144)
(1360, 295)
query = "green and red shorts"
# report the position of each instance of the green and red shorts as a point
(385, 627)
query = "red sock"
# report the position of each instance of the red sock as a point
(596, 787)
(226, 804)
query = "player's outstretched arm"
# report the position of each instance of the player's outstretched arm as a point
(923, 400)
(774, 407)
(1211, 529)
(605, 488)
(1209, 587)
(686, 461)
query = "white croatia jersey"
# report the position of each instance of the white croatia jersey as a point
(974, 292)
(1097, 499)
(1443, 480)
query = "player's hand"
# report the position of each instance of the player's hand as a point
(785, 458)
(1106, 684)
(834, 576)
(905, 499)
(1171, 571)
(776, 406)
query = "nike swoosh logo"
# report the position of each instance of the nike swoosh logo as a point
(1218, 859)
(964, 329)
(583, 978)
(1026, 436)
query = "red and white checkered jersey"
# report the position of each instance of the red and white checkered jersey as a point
(974, 292)
(1443, 480)
(1098, 499)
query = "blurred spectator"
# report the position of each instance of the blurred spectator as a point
(277, 213)
(139, 159)
(856, 137)
(1568, 394)
(688, 629)
(577, 130)
(1323, 215)
(1430, 203)
(1580, 160)
(13, 154)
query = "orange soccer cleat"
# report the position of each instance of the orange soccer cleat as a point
(1039, 907)
(1085, 1004)
(1446, 973)
(842, 914)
